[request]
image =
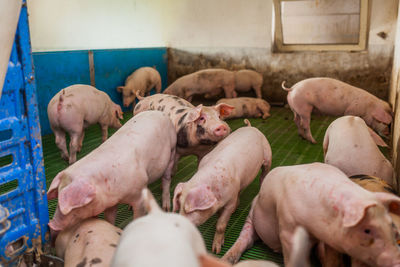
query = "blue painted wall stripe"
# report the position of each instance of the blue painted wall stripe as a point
(57, 70)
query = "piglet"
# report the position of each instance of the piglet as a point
(336, 98)
(90, 242)
(139, 153)
(174, 239)
(75, 108)
(198, 128)
(222, 174)
(139, 83)
(246, 107)
(351, 145)
(208, 81)
(246, 80)
(331, 208)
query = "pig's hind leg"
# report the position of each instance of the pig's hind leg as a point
(73, 146)
(61, 143)
(166, 183)
(110, 214)
(221, 225)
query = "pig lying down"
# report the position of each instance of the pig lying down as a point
(246, 80)
(91, 242)
(351, 145)
(139, 83)
(198, 128)
(222, 174)
(246, 107)
(139, 153)
(336, 98)
(75, 108)
(332, 209)
(331, 257)
(209, 81)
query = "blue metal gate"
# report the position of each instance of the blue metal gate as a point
(23, 202)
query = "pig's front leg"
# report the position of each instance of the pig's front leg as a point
(166, 183)
(81, 141)
(257, 89)
(329, 257)
(110, 214)
(221, 225)
(104, 132)
(246, 239)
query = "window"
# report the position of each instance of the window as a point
(320, 25)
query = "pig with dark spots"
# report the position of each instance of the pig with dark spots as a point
(330, 207)
(116, 172)
(91, 242)
(209, 81)
(246, 107)
(336, 98)
(177, 241)
(140, 83)
(331, 257)
(351, 145)
(222, 174)
(245, 80)
(75, 108)
(198, 128)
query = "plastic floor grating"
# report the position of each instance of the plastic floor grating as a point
(287, 149)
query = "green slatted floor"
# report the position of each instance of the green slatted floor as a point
(287, 149)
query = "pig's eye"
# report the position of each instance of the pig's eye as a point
(367, 231)
(202, 119)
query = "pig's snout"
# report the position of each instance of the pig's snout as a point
(126, 104)
(221, 130)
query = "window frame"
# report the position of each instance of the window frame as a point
(279, 46)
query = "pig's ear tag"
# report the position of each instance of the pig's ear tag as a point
(199, 198)
(391, 202)
(75, 196)
(354, 213)
(224, 109)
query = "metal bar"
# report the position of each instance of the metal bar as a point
(91, 69)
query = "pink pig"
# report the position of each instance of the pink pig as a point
(351, 145)
(222, 174)
(333, 97)
(333, 209)
(248, 79)
(75, 108)
(139, 153)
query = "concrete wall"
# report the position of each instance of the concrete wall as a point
(234, 34)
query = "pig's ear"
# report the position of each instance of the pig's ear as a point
(53, 189)
(391, 202)
(377, 139)
(382, 116)
(224, 110)
(195, 113)
(177, 195)
(355, 212)
(206, 260)
(199, 198)
(120, 88)
(75, 195)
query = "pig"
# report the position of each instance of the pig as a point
(139, 153)
(222, 174)
(336, 98)
(140, 82)
(176, 241)
(198, 128)
(248, 79)
(75, 108)
(245, 107)
(90, 242)
(208, 81)
(330, 257)
(351, 145)
(330, 207)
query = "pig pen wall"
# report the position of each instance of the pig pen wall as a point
(236, 35)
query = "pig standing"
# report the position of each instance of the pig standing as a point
(248, 79)
(209, 81)
(351, 145)
(331, 257)
(90, 242)
(139, 83)
(333, 97)
(137, 154)
(222, 174)
(245, 107)
(75, 108)
(333, 209)
(174, 239)
(198, 128)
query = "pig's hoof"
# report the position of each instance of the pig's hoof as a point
(232, 259)
(167, 207)
(217, 244)
(65, 157)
